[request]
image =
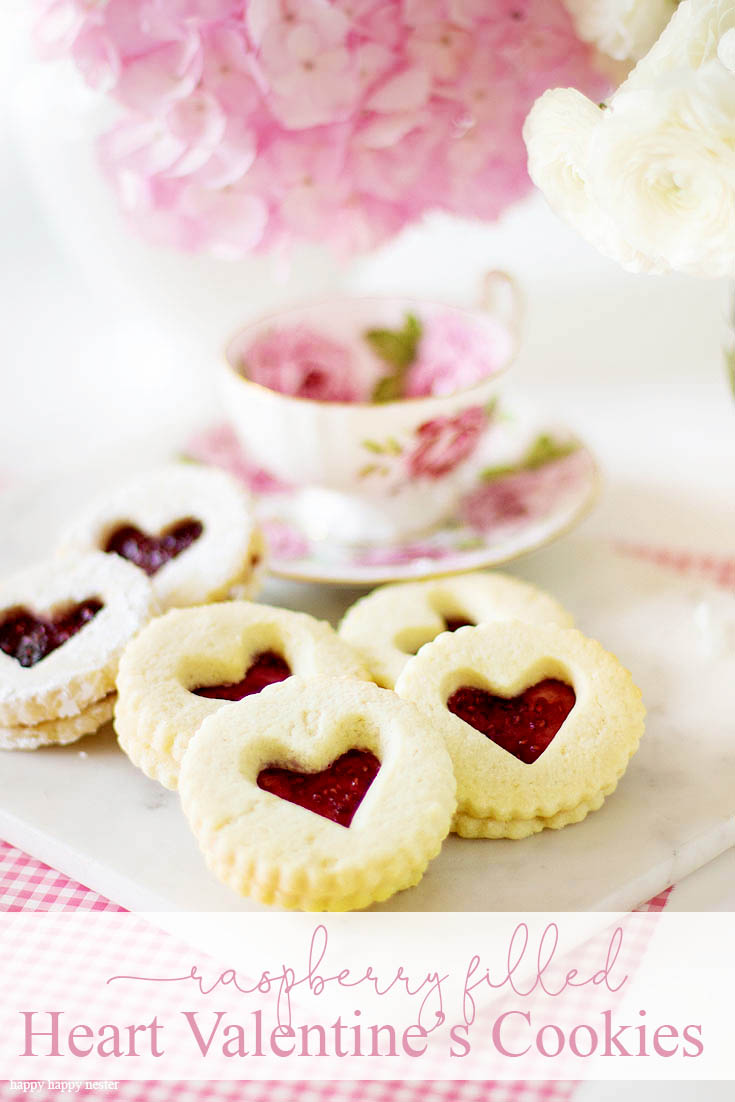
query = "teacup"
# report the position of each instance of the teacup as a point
(390, 398)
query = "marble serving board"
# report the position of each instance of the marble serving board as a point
(87, 811)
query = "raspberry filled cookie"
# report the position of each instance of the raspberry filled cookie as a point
(190, 529)
(190, 662)
(322, 795)
(540, 723)
(63, 626)
(392, 623)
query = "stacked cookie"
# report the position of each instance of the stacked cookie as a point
(64, 626)
(180, 535)
(540, 721)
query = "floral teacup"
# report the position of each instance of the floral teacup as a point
(375, 407)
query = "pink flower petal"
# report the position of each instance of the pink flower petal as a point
(152, 82)
(406, 92)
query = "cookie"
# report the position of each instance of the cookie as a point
(468, 827)
(186, 664)
(392, 623)
(189, 528)
(320, 795)
(59, 732)
(63, 625)
(540, 723)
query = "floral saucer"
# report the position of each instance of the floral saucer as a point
(504, 512)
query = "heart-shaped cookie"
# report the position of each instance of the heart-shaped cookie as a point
(282, 840)
(63, 625)
(540, 722)
(189, 528)
(392, 623)
(190, 662)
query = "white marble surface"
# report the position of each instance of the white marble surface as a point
(86, 810)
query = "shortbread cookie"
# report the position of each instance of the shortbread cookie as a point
(468, 827)
(63, 625)
(321, 795)
(189, 528)
(186, 664)
(392, 623)
(540, 722)
(59, 732)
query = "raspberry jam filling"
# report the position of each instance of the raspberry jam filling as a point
(267, 669)
(523, 725)
(451, 623)
(150, 553)
(454, 623)
(335, 793)
(28, 638)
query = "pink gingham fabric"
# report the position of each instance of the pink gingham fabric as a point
(28, 885)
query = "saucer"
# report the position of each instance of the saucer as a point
(503, 512)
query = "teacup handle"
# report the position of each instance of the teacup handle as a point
(501, 297)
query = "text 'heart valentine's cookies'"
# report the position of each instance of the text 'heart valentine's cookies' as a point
(190, 662)
(392, 623)
(190, 529)
(63, 625)
(540, 723)
(323, 794)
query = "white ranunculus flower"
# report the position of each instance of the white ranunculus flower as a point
(690, 40)
(559, 134)
(726, 50)
(624, 29)
(662, 168)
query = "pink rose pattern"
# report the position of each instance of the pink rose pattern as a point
(456, 352)
(445, 442)
(247, 125)
(514, 499)
(299, 361)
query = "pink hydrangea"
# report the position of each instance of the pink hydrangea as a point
(456, 352)
(251, 124)
(297, 360)
(445, 442)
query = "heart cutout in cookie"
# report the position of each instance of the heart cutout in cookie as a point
(268, 668)
(334, 793)
(148, 552)
(451, 623)
(29, 638)
(524, 725)
(454, 623)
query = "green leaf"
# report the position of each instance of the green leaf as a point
(545, 449)
(373, 446)
(397, 348)
(491, 473)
